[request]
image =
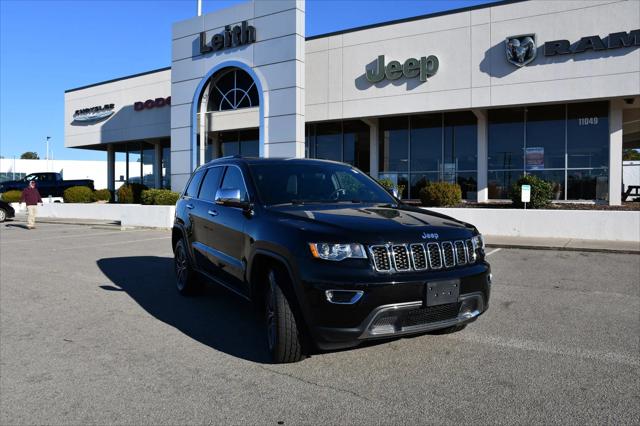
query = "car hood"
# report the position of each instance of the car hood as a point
(373, 223)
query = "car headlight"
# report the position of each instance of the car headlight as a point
(330, 251)
(478, 242)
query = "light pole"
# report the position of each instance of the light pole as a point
(47, 154)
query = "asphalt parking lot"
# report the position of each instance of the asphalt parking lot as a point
(92, 331)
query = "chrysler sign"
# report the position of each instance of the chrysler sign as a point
(94, 113)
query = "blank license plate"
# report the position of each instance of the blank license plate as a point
(442, 292)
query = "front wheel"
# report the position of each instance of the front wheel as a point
(283, 335)
(3, 215)
(186, 281)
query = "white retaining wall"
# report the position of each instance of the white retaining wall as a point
(578, 224)
(129, 215)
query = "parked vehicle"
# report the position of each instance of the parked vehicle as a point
(47, 183)
(6, 211)
(332, 257)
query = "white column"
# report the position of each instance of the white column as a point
(373, 146)
(111, 167)
(483, 155)
(204, 129)
(157, 166)
(615, 152)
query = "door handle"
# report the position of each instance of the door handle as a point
(189, 206)
(213, 212)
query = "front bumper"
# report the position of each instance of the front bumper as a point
(393, 308)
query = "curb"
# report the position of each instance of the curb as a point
(558, 248)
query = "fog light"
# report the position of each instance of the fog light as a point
(343, 297)
(468, 307)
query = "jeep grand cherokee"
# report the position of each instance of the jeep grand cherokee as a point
(332, 258)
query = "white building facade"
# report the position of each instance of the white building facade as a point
(477, 96)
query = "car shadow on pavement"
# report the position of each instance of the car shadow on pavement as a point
(215, 317)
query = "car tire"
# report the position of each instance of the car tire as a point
(283, 334)
(3, 215)
(186, 280)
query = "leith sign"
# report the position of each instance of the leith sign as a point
(426, 66)
(236, 36)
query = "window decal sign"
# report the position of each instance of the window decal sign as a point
(534, 157)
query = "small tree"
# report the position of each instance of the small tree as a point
(629, 154)
(29, 155)
(541, 192)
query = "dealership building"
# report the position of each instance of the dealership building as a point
(477, 96)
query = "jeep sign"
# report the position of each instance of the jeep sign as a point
(426, 66)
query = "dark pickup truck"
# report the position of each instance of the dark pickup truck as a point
(47, 183)
(329, 256)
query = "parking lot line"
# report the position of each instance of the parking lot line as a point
(492, 252)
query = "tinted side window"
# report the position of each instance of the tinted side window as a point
(233, 180)
(210, 183)
(194, 184)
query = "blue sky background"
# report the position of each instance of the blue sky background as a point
(49, 46)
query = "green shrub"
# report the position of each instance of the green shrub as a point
(12, 196)
(137, 189)
(125, 195)
(441, 194)
(541, 192)
(78, 194)
(166, 197)
(102, 195)
(131, 193)
(148, 196)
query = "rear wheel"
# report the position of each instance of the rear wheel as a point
(283, 335)
(186, 280)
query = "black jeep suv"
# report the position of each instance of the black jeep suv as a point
(329, 254)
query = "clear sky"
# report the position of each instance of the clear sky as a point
(49, 46)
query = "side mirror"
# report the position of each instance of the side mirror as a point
(231, 198)
(394, 191)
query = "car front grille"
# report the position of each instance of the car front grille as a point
(420, 257)
(398, 321)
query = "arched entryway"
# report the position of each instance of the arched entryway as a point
(228, 114)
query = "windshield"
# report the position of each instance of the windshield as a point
(315, 183)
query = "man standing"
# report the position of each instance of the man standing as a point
(31, 197)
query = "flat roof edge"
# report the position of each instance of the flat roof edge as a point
(416, 18)
(117, 79)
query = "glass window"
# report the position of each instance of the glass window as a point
(394, 144)
(590, 184)
(426, 143)
(329, 141)
(460, 140)
(556, 177)
(356, 144)
(194, 184)
(419, 181)
(310, 141)
(166, 167)
(134, 163)
(233, 180)
(588, 135)
(506, 139)
(499, 182)
(231, 89)
(148, 160)
(545, 137)
(249, 142)
(211, 183)
(468, 184)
